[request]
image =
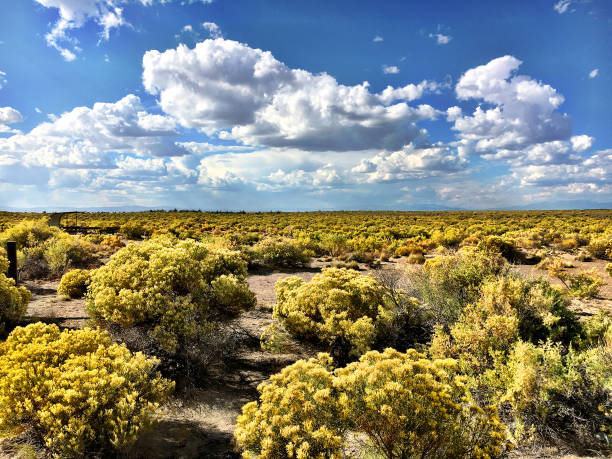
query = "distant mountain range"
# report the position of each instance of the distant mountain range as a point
(80, 209)
(557, 205)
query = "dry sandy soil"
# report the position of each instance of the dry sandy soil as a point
(201, 424)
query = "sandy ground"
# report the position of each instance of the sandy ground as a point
(582, 307)
(201, 424)
(48, 306)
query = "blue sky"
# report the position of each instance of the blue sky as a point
(306, 105)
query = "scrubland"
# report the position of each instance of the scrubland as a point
(323, 334)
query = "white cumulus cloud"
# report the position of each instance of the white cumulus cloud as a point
(9, 115)
(593, 73)
(523, 111)
(88, 137)
(226, 88)
(582, 142)
(410, 162)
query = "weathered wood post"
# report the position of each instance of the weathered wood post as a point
(11, 251)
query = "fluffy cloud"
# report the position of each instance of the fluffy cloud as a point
(410, 162)
(377, 39)
(227, 88)
(8, 115)
(88, 137)
(555, 152)
(390, 69)
(582, 142)
(522, 127)
(595, 171)
(410, 92)
(453, 113)
(441, 39)
(320, 179)
(523, 113)
(2, 79)
(593, 73)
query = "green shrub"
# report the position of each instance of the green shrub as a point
(76, 389)
(595, 329)
(281, 252)
(585, 284)
(134, 231)
(447, 283)
(416, 258)
(334, 244)
(564, 397)
(74, 283)
(339, 306)
(505, 247)
(63, 251)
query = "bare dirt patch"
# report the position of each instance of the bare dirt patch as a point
(582, 307)
(47, 306)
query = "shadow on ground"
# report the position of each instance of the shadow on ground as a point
(183, 439)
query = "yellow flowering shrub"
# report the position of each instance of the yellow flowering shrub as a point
(29, 233)
(339, 306)
(609, 269)
(413, 407)
(112, 240)
(173, 289)
(297, 415)
(404, 404)
(44, 249)
(76, 389)
(508, 309)
(13, 300)
(74, 283)
(601, 247)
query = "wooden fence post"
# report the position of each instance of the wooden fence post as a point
(11, 250)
